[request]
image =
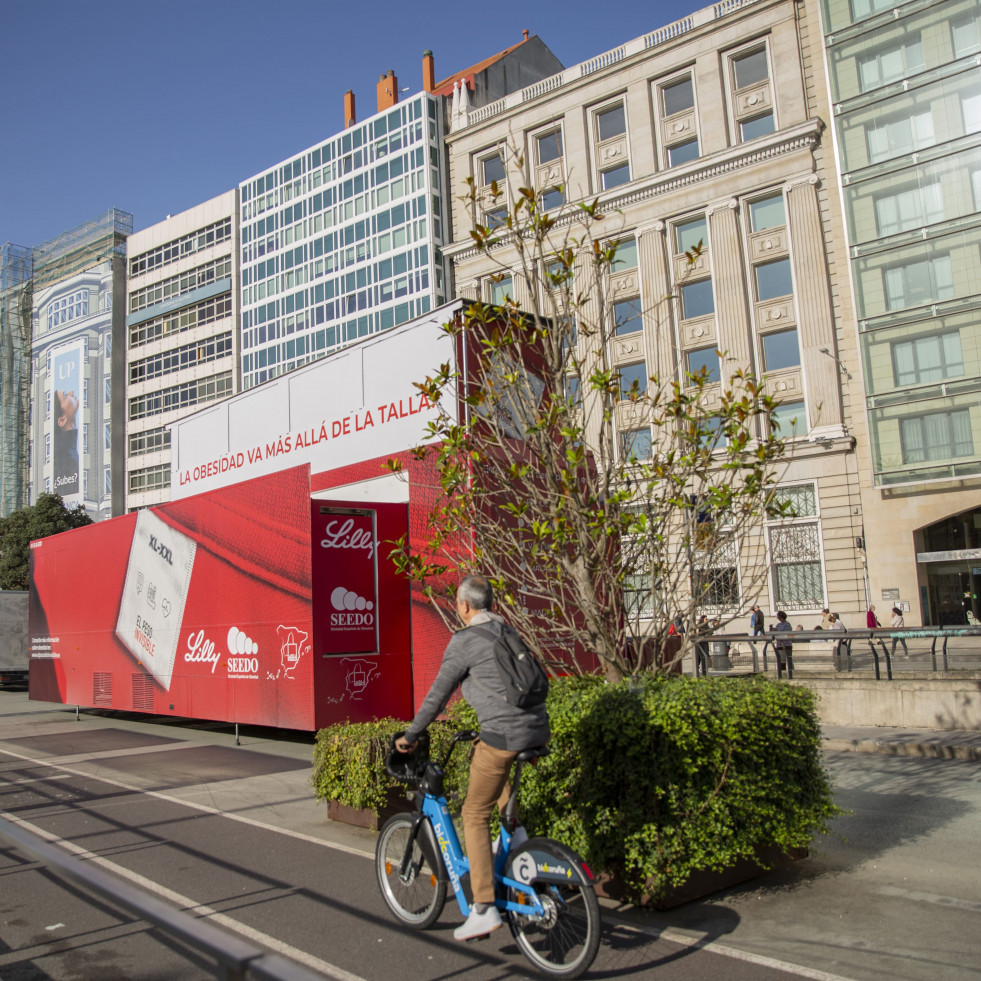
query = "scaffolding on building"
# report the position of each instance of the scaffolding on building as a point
(82, 247)
(16, 301)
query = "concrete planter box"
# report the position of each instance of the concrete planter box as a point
(705, 882)
(370, 818)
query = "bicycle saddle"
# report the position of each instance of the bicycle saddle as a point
(527, 755)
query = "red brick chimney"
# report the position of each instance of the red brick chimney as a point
(388, 90)
(428, 71)
(349, 115)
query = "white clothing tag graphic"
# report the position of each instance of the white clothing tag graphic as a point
(157, 579)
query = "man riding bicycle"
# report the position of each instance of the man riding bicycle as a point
(505, 730)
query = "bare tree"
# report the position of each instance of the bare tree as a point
(602, 504)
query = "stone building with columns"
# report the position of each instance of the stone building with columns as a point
(710, 130)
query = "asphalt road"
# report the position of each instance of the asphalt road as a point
(231, 833)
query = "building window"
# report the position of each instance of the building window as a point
(107, 482)
(865, 8)
(492, 169)
(549, 146)
(85, 437)
(966, 35)
(750, 69)
(635, 444)
(715, 576)
(85, 393)
(627, 318)
(108, 389)
(681, 153)
(767, 213)
(633, 379)
(790, 420)
(704, 360)
(928, 359)
(751, 129)
(900, 134)
(689, 235)
(919, 282)
(678, 96)
(108, 436)
(773, 279)
(971, 109)
(501, 290)
(909, 208)
(781, 350)
(890, 62)
(613, 161)
(611, 122)
(795, 552)
(626, 255)
(47, 447)
(697, 299)
(151, 478)
(638, 596)
(47, 485)
(68, 308)
(47, 405)
(937, 436)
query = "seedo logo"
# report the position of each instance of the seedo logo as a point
(353, 611)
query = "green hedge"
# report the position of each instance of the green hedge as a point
(654, 779)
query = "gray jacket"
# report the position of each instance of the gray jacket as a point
(469, 661)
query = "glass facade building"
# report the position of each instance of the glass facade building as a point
(343, 240)
(906, 89)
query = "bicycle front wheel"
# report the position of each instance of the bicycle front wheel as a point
(562, 941)
(416, 898)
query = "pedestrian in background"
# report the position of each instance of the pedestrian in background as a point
(756, 621)
(783, 645)
(702, 629)
(897, 623)
(825, 619)
(871, 620)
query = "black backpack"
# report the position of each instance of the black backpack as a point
(524, 679)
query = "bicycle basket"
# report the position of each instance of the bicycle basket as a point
(408, 767)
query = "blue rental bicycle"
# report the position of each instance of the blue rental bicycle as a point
(544, 889)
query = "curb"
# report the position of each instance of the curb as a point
(893, 747)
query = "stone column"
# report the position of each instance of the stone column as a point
(660, 337)
(816, 328)
(732, 304)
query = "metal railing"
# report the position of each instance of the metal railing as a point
(935, 650)
(235, 959)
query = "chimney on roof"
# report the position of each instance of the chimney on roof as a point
(428, 71)
(525, 32)
(388, 90)
(349, 115)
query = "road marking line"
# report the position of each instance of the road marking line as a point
(189, 905)
(931, 897)
(207, 809)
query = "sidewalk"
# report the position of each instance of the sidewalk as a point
(950, 744)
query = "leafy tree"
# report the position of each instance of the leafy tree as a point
(47, 516)
(600, 505)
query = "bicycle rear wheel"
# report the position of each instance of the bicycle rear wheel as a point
(563, 941)
(417, 899)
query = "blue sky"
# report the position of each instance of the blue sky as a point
(153, 106)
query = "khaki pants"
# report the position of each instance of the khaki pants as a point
(489, 773)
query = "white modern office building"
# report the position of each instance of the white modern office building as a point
(344, 239)
(906, 91)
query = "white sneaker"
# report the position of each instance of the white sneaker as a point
(478, 924)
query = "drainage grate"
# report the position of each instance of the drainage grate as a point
(143, 692)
